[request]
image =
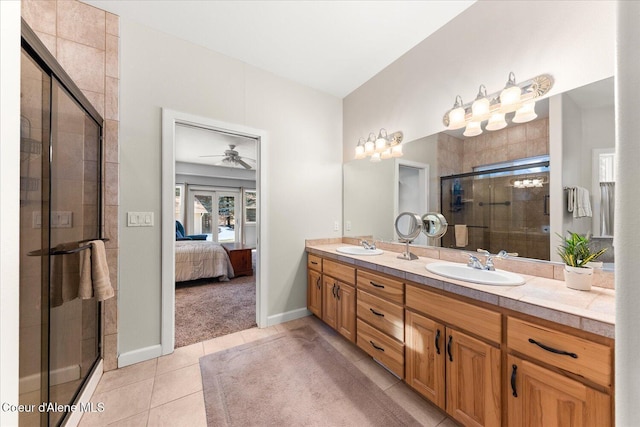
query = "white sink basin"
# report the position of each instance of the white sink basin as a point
(358, 250)
(469, 274)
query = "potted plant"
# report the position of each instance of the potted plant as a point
(576, 254)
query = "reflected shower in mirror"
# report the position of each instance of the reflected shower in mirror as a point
(586, 118)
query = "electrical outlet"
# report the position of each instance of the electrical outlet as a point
(347, 226)
(336, 226)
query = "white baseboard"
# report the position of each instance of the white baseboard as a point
(287, 316)
(57, 376)
(139, 355)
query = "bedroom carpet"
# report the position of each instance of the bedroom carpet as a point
(295, 378)
(207, 309)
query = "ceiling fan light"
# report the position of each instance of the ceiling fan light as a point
(526, 112)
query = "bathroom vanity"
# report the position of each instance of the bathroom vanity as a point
(535, 354)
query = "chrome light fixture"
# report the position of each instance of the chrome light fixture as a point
(384, 146)
(518, 97)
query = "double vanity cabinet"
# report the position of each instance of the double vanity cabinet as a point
(483, 364)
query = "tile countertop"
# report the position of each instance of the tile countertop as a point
(592, 311)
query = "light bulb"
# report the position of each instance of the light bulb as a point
(369, 146)
(381, 142)
(375, 157)
(510, 95)
(496, 122)
(396, 150)
(456, 118)
(526, 113)
(480, 109)
(360, 152)
(386, 154)
(473, 129)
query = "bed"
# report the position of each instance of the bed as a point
(197, 259)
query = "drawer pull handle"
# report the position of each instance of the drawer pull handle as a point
(553, 350)
(513, 381)
(314, 262)
(376, 347)
(376, 285)
(449, 348)
(338, 293)
(333, 291)
(438, 341)
(376, 313)
(318, 283)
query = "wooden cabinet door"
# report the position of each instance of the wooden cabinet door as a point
(473, 380)
(314, 292)
(346, 296)
(425, 356)
(540, 397)
(329, 301)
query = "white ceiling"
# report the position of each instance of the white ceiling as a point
(333, 46)
(207, 147)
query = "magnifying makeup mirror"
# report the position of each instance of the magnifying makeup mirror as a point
(434, 225)
(408, 227)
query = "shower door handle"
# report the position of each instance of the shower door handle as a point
(546, 204)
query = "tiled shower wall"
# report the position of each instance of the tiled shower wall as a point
(85, 42)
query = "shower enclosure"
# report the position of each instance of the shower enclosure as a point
(60, 209)
(504, 207)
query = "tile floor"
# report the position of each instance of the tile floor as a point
(167, 391)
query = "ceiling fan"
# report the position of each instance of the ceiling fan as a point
(232, 158)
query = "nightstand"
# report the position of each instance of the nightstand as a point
(240, 256)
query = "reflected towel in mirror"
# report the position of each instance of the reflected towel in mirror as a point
(462, 235)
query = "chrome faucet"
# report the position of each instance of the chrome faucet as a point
(367, 245)
(488, 265)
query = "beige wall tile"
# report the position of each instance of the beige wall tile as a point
(49, 41)
(111, 149)
(81, 23)
(112, 24)
(40, 15)
(111, 99)
(111, 226)
(110, 352)
(112, 68)
(516, 134)
(85, 64)
(111, 315)
(96, 99)
(111, 178)
(536, 129)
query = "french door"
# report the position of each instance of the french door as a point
(214, 213)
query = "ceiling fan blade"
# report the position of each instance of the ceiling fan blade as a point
(215, 155)
(244, 164)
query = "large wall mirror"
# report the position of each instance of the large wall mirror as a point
(507, 189)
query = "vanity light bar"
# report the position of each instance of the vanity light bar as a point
(518, 97)
(384, 146)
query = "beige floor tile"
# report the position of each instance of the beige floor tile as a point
(120, 403)
(181, 357)
(297, 323)
(176, 384)
(222, 343)
(186, 411)
(348, 349)
(138, 420)
(255, 334)
(376, 373)
(127, 375)
(424, 412)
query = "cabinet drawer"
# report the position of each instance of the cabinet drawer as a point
(579, 356)
(384, 315)
(477, 320)
(384, 287)
(381, 347)
(314, 262)
(339, 271)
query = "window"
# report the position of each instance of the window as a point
(250, 205)
(179, 204)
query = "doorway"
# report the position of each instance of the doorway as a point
(231, 204)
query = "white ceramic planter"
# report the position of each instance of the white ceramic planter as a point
(579, 278)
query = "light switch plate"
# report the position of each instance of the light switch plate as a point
(140, 219)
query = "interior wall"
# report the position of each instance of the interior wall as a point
(481, 46)
(302, 163)
(85, 41)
